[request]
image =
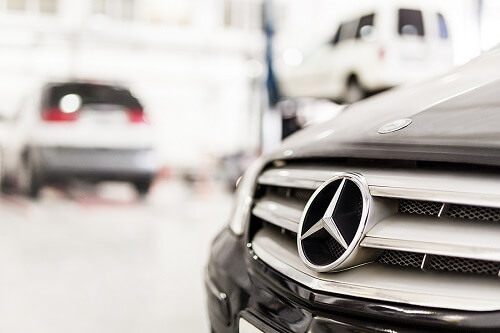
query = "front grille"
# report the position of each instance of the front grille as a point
(410, 207)
(439, 263)
(402, 250)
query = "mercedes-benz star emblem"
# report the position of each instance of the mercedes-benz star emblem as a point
(394, 126)
(333, 222)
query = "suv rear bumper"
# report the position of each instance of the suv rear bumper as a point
(239, 285)
(54, 163)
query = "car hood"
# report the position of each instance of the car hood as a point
(455, 118)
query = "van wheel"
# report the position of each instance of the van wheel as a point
(354, 91)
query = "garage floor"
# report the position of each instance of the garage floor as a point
(99, 260)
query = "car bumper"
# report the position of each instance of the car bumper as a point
(55, 162)
(239, 285)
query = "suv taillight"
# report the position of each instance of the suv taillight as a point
(57, 114)
(137, 116)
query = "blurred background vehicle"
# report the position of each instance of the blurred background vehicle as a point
(81, 130)
(298, 113)
(231, 167)
(11, 142)
(380, 45)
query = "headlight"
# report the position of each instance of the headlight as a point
(244, 198)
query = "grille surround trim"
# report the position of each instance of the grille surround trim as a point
(387, 187)
(275, 211)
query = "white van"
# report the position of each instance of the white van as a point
(386, 44)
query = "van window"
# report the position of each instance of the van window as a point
(365, 22)
(411, 22)
(443, 29)
(336, 38)
(348, 30)
(345, 31)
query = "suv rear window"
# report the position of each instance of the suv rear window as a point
(410, 22)
(91, 94)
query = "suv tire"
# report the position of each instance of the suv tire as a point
(143, 186)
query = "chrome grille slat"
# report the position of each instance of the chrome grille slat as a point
(431, 235)
(284, 215)
(482, 189)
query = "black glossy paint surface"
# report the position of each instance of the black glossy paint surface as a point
(456, 123)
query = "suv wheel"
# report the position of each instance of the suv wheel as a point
(34, 186)
(143, 186)
(30, 181)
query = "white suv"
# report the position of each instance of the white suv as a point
(390, 43)
(80, 130)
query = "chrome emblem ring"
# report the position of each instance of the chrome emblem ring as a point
(333, 222)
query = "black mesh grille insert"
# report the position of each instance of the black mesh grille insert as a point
(419, 207)
(296, 194)
(474, 213)
(463, 265)
(439, 263)
(455, 211)
(401, 258)
(283, 192)
(336, 250)
(302, 194)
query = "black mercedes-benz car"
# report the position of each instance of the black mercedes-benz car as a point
(385, 219)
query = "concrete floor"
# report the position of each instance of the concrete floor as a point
(99, 260)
